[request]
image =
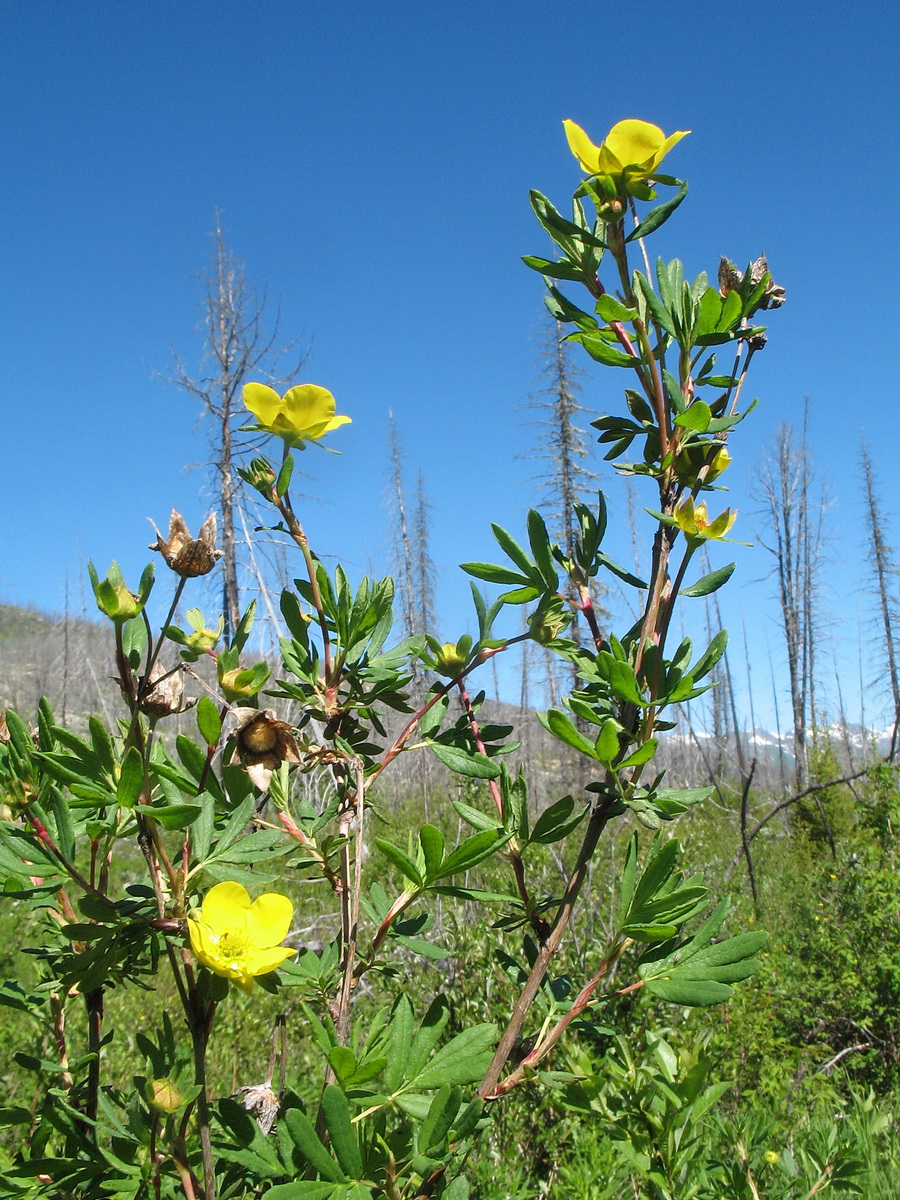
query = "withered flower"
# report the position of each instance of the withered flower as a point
(187, 556)
(263, 744)
(165, 696)
(730, 280)
(261, 1102)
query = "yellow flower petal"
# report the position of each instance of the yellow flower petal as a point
(307, 406)
(335, 422)
(582, 147)
(632, 148)
(244, 982)
(199, 941)
(269, 920)
(635, 143)
(225, 907)
(263, 401)
(261, 962)
(667, 145)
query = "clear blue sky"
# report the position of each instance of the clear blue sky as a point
(372, 164)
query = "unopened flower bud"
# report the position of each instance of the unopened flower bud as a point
(449, 660)
(694, 457)
(114, 599)
(17, 795)
(548, 621)
(163, 1095)
(260, 475)
(241, 683)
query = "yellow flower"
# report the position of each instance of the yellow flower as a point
(240, 940)
(303, 414)
(771, 1157)
(696, 526)
(631, 151)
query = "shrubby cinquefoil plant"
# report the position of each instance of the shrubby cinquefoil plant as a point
(396, 1101)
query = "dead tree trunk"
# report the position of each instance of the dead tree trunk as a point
(884, 571)
(796, 536)
(235, 347)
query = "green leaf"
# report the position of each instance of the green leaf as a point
(437, 1125)
(563, 730)
(696, 417)
(471, 852)
(539, 541)
(283, 481)
(643, 754)
(134, 640)
(401, 861)
(661, 314)
(491, 573)
(344, 1143)
(208, 721)
(457, 1190)
(557, 821)
(302, 1189)
(476, 818)
(514, 551)
(432, 842)
(627, 881)
(307, 1142)
(401, 1040)
(521, 595)
(102, 744)
(463, 1060)
(711, 655)
(602, 352)
(553, 270)
(621, 678)
(420, 946)
(710, 583)
(236, 825)
(561, 230)
(696, 973)
(656, 216)
(343, 1062)
(131, 778)
(607, 744)
(176, 816)
(202, 833)
(611, 309)
(465, 762)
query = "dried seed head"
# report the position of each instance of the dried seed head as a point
(730, 278)
(165, 697)
(187, 556)
(260, 1102)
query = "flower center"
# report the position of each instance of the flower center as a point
(231, 948)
